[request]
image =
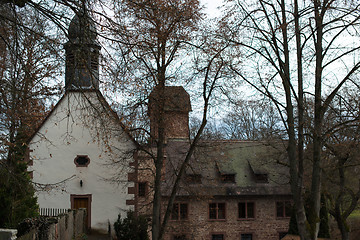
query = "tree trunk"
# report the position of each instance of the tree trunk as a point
(299, 203)
(156, 221)
(343, 228)
(340, 219)
(295, 175)
(314, 210)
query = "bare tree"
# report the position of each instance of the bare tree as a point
(252, 120)
(297, 48)
(341, 182)
(28, 71)
(212, 131)
(27, 66)
(154, 38)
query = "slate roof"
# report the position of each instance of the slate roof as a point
(258, 168)
(82, 29)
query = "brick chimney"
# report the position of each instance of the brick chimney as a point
(176, 112)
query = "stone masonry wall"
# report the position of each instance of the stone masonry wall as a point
(176, 125)
(265, 225)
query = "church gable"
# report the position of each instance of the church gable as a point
(78, 113)
(80, 150)
(80, 123)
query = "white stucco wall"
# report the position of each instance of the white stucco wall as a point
(81, 125)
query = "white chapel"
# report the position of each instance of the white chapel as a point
(82, 156)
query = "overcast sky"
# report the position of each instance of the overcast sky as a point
(211, 6)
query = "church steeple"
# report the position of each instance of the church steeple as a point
(82, 54)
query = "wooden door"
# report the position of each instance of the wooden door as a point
(82, 201)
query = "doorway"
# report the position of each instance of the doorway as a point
(82, 201)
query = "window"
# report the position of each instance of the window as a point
(217, 237)
(228, 178)
(193, 178)
(82, 161)
(179, 237)
(246, 236)
(246, 210)
(283, 209)
(261, 178)
(179, 211)
(142, 189)
(217, 211)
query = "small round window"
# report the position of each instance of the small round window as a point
(82, 161)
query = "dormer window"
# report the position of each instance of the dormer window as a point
(261, 178)
(193, 178)
(260, 175)
(228, 178)
(82, 161)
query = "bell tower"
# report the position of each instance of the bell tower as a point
(82, 54)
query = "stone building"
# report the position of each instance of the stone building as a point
(231, 189)
(81, 155)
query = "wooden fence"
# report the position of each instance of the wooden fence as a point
(52, 212)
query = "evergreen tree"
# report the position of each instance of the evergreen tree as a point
(132, 227)
(17, 200)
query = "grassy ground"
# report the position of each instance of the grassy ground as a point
(355, 214)
(354, 223)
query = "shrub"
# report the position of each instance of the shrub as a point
(132, 227)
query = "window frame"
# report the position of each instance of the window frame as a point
(174, 236)
(261, 178)
(194, 178)
(144, 187)
(246, 233)
(284, 204)
(217, 211)
(228, 178)
(246, 210)
(82, 156)
(212, 235)
(179, 215)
